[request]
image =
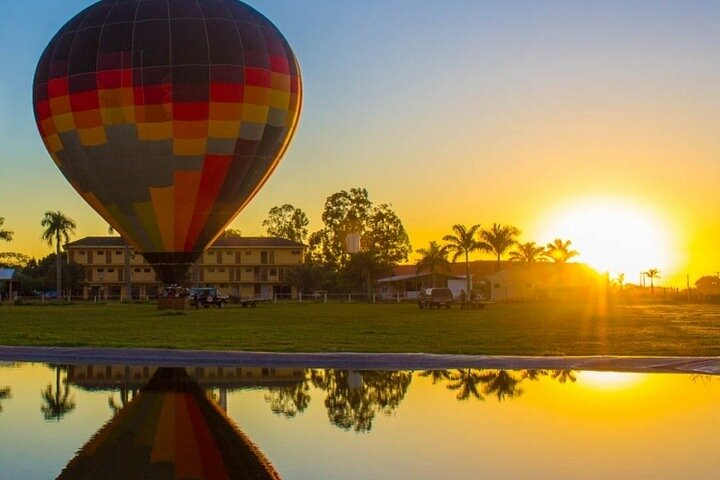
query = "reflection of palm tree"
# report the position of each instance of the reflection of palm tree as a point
(532, 375)
(499, 238)
(4, 395)
(563, 376)
(436, 375)
(432, 258)
(463, 243)
(652, 274)
(57, 404)
(527, 253)
(468, 382)
(559, 251)
(503, 385)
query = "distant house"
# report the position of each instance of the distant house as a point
(545, 281)
(7, 275)
(407, 287)
(240, 266)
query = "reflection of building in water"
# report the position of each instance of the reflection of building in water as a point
(170, 430)
(112, 377)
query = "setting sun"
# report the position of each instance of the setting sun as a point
(613, 235)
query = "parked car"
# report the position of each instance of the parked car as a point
(207, 296)
(435, 297)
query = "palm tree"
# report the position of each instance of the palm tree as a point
(56, 405)
(527, 252)
(620, 280)
(432, 257)
(559, 251)
(463, 243)
(5, 234)
(652, 274)
(500, 238)
(57, 227)
(128, 279)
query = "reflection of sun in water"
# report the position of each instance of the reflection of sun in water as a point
(609, 380)
(612, 234)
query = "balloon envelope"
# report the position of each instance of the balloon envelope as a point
(167, 116)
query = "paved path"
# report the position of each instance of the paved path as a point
(354, 361)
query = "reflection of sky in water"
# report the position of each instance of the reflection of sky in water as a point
(336, 424)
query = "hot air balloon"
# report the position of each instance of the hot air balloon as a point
(168, 116)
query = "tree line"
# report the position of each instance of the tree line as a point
(384, 243)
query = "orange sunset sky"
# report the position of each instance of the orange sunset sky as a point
(592, 122)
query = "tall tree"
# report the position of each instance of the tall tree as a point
(527, 252)
(231, 233)
(379, 227)
(500, 238)
(286, 221)
(5, 235)
(462, 243)
(652, 274)
(619, 280)
(559, 251)
(126, 252)
(58, 228)
(362, 270)
(432, 258)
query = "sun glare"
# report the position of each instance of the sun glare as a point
(610, 380)
(613, 235)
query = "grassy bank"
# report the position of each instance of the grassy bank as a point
(502, 329)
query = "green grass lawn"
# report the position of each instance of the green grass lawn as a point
(501, 329)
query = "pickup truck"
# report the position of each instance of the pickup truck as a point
(435, 297)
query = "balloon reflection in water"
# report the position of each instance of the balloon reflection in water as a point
(168, 117)
(170, 430)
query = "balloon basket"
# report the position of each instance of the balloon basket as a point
(173, 303)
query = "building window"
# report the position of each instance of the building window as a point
(101, 253)
(221, 270)
(101, 270)
(111, 270)
(211, 270)
(267, 257)
(81, 252)
(147, 270)
(295, 252)
(137, 270)
(118, 252)
(273, 272)
(248, 270)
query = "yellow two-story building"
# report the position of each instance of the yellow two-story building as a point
(244, 267)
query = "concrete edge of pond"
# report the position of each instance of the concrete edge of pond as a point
(354, 361)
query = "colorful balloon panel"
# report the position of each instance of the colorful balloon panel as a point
(167, 116)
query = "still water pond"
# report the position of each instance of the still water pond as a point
(100, 421)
